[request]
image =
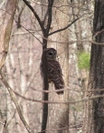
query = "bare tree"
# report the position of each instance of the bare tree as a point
(46, 30)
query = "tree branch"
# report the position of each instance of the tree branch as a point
(16, 103)
(50, 4)
(35, 14)
(64, 27)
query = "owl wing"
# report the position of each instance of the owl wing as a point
(55, 75)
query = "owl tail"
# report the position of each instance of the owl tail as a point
(59, 86)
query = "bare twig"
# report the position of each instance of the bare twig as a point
(64, 27)
(73, 90)
(94, 38)
(97, 43)
(58, 102)
(19, 16)
(97, 33)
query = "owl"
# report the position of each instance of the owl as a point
(54, 70)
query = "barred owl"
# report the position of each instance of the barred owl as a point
(54, 70)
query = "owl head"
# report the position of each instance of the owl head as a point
(51, 53)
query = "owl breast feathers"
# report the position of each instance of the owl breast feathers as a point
(54, 70)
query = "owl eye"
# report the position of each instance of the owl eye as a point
(50, 53)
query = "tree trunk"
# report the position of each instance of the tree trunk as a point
(6, 30)
(60, 111)
(63, 51)
(94, 119)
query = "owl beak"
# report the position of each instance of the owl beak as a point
(55, 57)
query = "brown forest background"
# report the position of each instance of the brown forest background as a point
(21, 68)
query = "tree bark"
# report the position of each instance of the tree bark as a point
(94, 119)
(6, 30)
(61, 111)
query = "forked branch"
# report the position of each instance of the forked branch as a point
(35, 14)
